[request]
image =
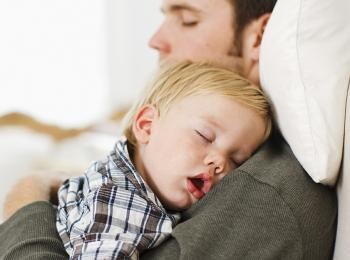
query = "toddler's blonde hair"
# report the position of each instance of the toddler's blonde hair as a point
(176, 81)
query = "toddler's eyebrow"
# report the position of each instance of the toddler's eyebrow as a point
(211, 120)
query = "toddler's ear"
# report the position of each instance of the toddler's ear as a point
(142, 125)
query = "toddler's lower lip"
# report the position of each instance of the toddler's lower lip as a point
(198, 194)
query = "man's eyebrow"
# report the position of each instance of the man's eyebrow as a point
(179, 7)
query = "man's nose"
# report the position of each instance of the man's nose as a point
(159, 42)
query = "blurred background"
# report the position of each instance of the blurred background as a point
(73, 62)
(68, 71)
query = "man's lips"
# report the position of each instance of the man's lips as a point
(199, 185)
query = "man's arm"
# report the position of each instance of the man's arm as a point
(31, 234)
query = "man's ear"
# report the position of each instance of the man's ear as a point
(143, 122)
(251, 41)
(253, 36)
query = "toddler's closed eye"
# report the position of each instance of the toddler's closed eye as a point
(204, 137)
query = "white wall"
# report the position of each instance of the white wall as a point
(132, 61)
(70, 62)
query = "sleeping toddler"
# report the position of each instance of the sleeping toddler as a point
(194, 124)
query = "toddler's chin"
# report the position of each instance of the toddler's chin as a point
(179, 206)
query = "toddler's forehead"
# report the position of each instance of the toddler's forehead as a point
(164, 106)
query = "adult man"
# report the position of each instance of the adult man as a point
(269, 208)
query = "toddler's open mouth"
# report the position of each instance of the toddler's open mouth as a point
(199, 185)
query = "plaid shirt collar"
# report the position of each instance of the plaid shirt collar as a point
(120, 156)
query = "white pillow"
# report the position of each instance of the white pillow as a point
(305, 71)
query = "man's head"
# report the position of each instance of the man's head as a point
(179, 135)
(227, 32)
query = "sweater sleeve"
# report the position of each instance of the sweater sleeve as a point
(31, 234)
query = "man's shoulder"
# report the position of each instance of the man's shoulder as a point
(274, 164)
(313, 205)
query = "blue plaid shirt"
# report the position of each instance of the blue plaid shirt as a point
(110, 212)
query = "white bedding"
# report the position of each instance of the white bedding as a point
(23, 152)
